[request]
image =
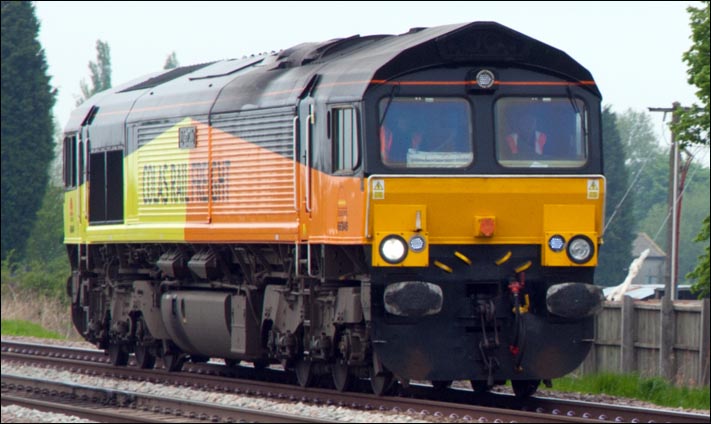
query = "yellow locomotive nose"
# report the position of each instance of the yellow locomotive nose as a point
(558, 214)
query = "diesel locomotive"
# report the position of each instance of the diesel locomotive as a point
(422, 206)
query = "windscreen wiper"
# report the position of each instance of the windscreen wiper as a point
(396, 89)
(577, 110)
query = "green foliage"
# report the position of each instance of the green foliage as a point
(9, 268)
(100, 73)
(695, 207)
(616, 252)
(700, 274)
(655, 390)
(27, 127)
(24, 328)
(45, 277)
(649, 169)
(652, 186)
(637, 136)
(171, 61)
(46, 241)
(45, 267)
(693, 125)
(694, 210)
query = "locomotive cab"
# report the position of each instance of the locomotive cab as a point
(484, 208)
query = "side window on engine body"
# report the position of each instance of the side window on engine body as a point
(70, 161)
(106, 187)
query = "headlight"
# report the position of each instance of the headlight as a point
(580, 249)
(556, 243)
(393, 249)
(417, 244)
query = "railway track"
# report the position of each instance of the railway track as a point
(109, 405)
(452, 404)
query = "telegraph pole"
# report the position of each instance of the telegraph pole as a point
(672, 260)
(667, 362)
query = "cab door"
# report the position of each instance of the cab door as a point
(306, 159)
(306, 130)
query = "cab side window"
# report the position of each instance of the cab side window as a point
(344, 134)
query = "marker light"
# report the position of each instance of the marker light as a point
(556, 243)
(393, 249)
(580, 249)
(485, 78)
(417, 244)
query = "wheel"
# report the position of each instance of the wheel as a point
(173, 361)
(382, 383)
(480, 386)
(524, 388)
(232, 363)
(304, 372)
(145, 359)
(199, 359)
(260, 364)
(441, 385)
(118, 354)
(342, 376)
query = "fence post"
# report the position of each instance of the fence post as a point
(666, 349)
(592, 356)
(627, 348)
(704, 347)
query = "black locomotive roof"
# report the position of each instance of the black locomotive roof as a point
(339, 69)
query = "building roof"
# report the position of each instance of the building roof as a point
(642, 242)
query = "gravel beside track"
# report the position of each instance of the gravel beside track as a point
(335, 413)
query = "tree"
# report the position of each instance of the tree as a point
(616, 253)
(693, 125)
(27, 126)
(46, 240)
(171, 61)
(696, 208)
(637, 136)
(701, 273)
(652, 185)
(100, 73)
(46, 265)
(647, 164)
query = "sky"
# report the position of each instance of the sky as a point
(633, 49)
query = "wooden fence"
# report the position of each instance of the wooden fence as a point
(653, 338)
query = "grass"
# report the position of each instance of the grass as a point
(13, 327)
(45, 311)
(654, 390)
